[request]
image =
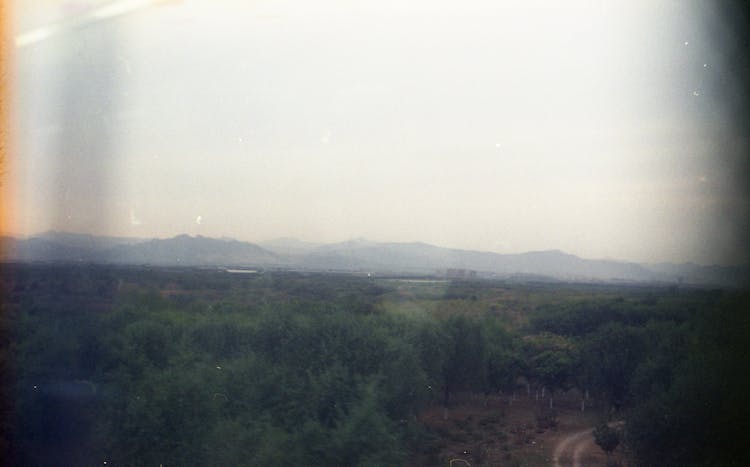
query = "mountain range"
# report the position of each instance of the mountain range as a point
(357, 255)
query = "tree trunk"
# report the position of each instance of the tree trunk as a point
(543, 388)
(583, 404)
(446, 394)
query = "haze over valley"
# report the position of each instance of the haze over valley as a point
(358, 255)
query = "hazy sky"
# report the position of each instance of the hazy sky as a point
(597, 128)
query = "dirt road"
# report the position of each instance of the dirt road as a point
(572, 449)
(569, 450)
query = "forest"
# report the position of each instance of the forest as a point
(138, 366)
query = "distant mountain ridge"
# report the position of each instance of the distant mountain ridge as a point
(194, 251)
(179, 250)
(289, 246)
(354, 255)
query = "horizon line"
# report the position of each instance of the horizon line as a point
(361, 238)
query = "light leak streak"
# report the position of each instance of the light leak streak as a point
(108, 11)
(119, 8)
(36, 35)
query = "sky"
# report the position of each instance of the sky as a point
(598, 128)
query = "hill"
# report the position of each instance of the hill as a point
(358, 255)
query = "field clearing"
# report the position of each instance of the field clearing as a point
(511, 303)
(493, 432)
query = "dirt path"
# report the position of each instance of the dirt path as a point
(568, 450)
(585, 446)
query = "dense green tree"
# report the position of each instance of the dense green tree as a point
(610, 356)
(607, 438)
(403, 384)
(554, 370)
(366, 436)
(465, 365)
(504, 363)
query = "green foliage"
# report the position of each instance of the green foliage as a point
(465, 364)
(311, 377)
(191, 367)
(504, 363)
(553, 369)
(610, 356)
(690, 404)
